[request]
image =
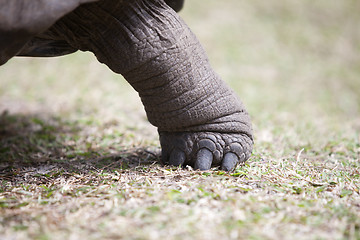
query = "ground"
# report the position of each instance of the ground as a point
(79, 160)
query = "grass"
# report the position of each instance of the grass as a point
(78, 161)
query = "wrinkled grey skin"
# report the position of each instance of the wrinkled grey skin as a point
(200, 120)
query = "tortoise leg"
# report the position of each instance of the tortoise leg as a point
(201, 122)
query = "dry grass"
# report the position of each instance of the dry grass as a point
(78, 159)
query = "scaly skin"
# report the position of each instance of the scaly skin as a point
(200, 120)
(204, 150)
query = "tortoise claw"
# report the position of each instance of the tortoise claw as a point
(230, 161)
(204, 159)
(203, 150)
(177, 158)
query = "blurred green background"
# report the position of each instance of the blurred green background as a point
(295, 64)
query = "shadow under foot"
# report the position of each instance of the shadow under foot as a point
(47, 146)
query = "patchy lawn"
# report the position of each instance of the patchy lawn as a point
(78, 159)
